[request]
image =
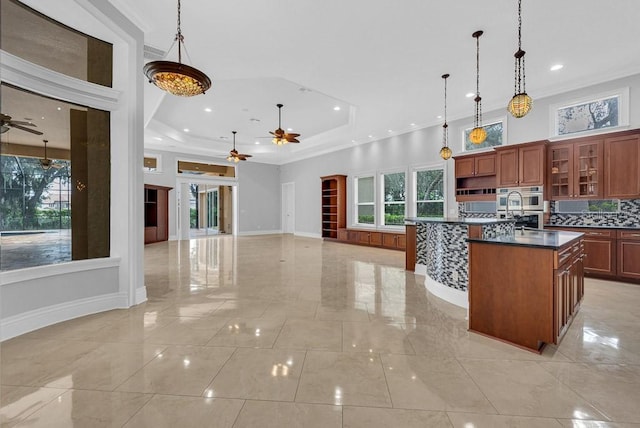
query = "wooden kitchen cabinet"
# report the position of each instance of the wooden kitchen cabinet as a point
(373, 238)
(576, 169)
(622, 166)
(629, 254)
(568, 288)
(522, 165)
(475, 177)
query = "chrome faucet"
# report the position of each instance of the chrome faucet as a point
(521, 202)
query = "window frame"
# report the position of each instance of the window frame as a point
(413, 212)
(356, 203)
(492, 121)
(381, 197)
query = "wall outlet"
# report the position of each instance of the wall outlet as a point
(454, 276)
(587, 220)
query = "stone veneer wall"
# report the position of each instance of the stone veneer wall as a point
(443, 249)
(629, 216)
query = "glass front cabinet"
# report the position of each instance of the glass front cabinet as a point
(576, 170)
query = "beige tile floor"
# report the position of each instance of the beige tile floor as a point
(280, 331)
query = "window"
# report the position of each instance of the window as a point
(365, 202)
(495, 136)
(150, 164)
(394, 198)
(430, 192)
(205, 169)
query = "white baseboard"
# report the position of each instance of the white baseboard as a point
(260, 232)
(309, 235)
(141, 295)
(39, 318)
(421, 270)
(451, 295)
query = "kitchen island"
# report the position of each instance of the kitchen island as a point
(441, 251)
(526, 288)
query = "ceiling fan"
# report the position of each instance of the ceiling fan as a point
(279, 136)
(6, 123)
(234, 156)
(47, 163)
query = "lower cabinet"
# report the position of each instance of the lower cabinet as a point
(568, 288)
(629, 254)
(610, 253)
(391, 240)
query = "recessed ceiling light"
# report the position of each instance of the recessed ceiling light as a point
(208, 110)
(186, 129)
(59, 108)
(337, 108)
(389, 130)
(370, 136)
(556, 67)
(439, 116)
(157, 138)
(289, 129)
(353, 141)
(412, 124)
(470, 94)
(42, 117)
(257, 142)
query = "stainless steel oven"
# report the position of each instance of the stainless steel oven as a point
(530, 219)
(517, 199)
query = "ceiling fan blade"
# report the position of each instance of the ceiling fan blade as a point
(243, 155)
(292, 135)
(33, 131)
(22, 122)
(3, 129)
(4, 117)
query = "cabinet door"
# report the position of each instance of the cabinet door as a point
(401, 242)
(465, 167)
(389, 240)
(531, 165)
(622, 167)
(507, 173)
(561, 171)
(588, 173)
(600, 256)
(375, 238)
(363, 237)
(485, 164)
(629, 259)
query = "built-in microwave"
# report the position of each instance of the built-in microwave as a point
(517, 199)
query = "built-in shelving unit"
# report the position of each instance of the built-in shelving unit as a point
(156, 213)
(334, 204)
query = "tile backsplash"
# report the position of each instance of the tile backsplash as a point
(629, 216)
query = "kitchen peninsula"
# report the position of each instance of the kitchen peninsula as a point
(441, 252)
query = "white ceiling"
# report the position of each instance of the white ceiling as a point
(380, 61)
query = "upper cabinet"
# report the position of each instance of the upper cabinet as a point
(521, 165)
(576, 170)
(622, 166)
(476, 165)
(476, 177)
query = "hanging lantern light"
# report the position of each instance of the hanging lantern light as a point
(521, 103)
(445, 151)
(478, 133)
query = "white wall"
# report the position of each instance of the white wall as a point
(258, 188)
(422, 147)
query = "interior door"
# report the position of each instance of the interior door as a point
(288, 208)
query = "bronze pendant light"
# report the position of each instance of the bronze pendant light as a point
(521, 103)
(175, 77)
(478, 133)
(445, 151)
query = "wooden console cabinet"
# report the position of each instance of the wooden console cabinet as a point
(156, 213)
(476, 177)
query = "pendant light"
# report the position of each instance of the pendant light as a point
(521, 103)
(478, 134)
(445, 151)
(175, 77)
(45, 162)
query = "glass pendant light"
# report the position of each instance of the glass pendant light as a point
(521, 103)
(478, 133)
(445, 151)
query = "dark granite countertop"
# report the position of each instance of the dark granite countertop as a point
(590, 226)
(451, 220)
(533, 238)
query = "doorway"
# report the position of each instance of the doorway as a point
(206, 209)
